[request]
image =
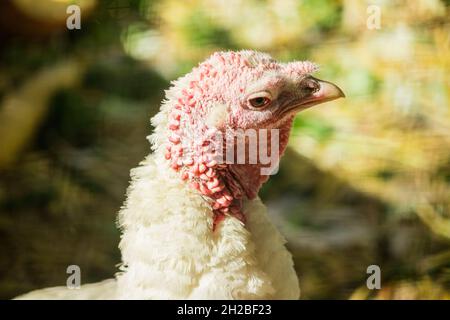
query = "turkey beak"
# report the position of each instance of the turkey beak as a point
(318, 91)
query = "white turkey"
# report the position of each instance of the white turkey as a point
(192, 225)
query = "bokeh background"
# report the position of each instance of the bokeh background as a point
(366, 180)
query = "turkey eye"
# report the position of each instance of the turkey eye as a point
(259, 102)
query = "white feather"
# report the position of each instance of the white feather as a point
(169, 250)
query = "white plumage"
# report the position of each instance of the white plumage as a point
(170, 249)
(171, 253)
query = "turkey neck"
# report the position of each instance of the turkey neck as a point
(245, 180)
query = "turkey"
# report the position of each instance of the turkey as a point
(192, 225)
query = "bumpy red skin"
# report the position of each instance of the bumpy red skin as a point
(191, 148)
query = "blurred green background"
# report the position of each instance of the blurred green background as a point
(366, 180)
